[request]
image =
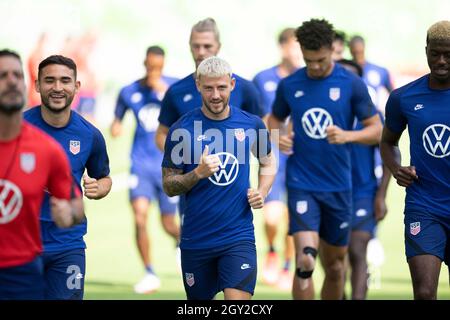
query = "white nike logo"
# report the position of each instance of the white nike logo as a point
(298, 94)
(201, 137)
(343, 225)
(79, 276)
(245, 266)
(418, 107)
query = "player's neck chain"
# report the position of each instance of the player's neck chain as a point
(11, 162)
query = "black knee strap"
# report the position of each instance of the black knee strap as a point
(311, 251)
(304, 274)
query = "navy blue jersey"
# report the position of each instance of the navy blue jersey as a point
(216, 211)
(426, 112)
(266, 82)
(314, 104)
(367, 168)
(183, 97)
(145, 105)
(377, 79)
(86, 149)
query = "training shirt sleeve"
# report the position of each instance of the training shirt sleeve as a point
(395, 119)
(97, 164)
(251, 99)
(362, 104)
(121, 106)
(280, 107)
(174, 147)
(168, 114)
(262, 146)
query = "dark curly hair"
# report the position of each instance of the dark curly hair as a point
(315, 34)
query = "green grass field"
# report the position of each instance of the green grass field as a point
(113, 264)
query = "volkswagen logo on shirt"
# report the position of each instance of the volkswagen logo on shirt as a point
(228, 170)
(315, 122)
(436, 139)
(148, 117)
(11, 201)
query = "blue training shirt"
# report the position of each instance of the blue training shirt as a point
(426, 112)
(367, 167)
(314, 104)
(145, 105)
(216, 211)
(183, 97)
(86, 149)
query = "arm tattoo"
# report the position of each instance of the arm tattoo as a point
(176, 183)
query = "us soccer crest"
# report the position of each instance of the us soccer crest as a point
(74, 146)
(335, 94)
(414, 228)
(190, 279)
(27, 162)
(302, 207)
(239, 134)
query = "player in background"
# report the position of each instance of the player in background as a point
(339, 43)
(275, 209)
(31, 162)
(143, 97)
(370, 180)
(64, 250)
(423, 107)
(218, 251)
(376, 77)
(323, 99)
(183, 96)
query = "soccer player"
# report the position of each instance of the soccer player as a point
(376, 77)
(275, 209)
(143, 97)
(339, 45)
(64, 250)
(183, 96)
(210, 166)
(422, 105)
(323, 99)
(30, 162)
(370, 180)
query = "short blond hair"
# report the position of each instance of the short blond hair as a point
(440, 31)
(213, 67)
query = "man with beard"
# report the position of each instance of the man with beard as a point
(64, 256)
(30, 162)
(218, 251)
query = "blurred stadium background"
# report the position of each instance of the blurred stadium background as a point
(121, 30)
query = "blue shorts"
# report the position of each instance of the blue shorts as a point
(147, 184)
(363, 218)
(23, 282)
(209, 271)
(328, 213)
(426, 233)
(278, 190)
(64, 274)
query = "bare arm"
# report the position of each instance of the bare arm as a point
(176, 183)
(391, 156)
(267, 172)
(161, 136)
(116, 128)
(285, 142)
(370, 134)
(96, 189)
(67, 213)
